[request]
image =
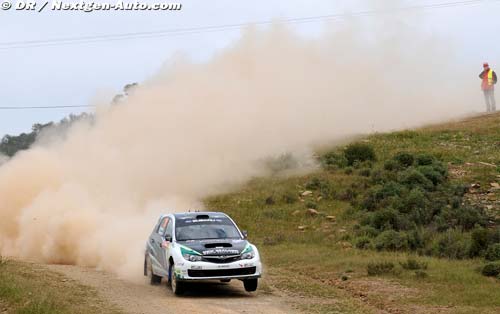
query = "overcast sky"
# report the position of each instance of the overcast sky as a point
(75, 74)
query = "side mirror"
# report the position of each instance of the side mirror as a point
(168, 238)
(245, 234)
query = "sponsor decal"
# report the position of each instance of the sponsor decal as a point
(221, 252)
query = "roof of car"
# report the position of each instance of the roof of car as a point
(194, 214)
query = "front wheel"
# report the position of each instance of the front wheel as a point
(177, 286)
(250, 284)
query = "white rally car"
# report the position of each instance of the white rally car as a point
(200, 246)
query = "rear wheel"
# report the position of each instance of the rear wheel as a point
(148, 269)
(177, 286)
(250, 284)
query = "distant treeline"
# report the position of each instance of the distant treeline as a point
(11, 144)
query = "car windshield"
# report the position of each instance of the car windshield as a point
(199, 229)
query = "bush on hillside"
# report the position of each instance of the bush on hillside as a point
(363, 242)
(290, 197)
(413, 264)
(412, 178)
(491, 269)
(332, 160)
(379, 268)
(493, 252)
(424, 160)
(359, 152)
(404, 160)
(479, 242)
(391, 240)
(410, 204)
(321, 185)
(365, 172)
(452, 244)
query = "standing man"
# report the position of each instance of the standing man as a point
(489, 78)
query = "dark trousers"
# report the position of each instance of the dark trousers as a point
(489, 96)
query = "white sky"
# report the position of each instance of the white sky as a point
(75, 74)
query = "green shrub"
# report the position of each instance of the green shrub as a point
(404, 160)
(391, 165)
(312, 205)
(365, 172)
(421, 274)
(424, 159)
(491, 269)
(384, 219)
(333, 160)
(415, 199)
(378, 193)
(479, 242)
(348, 194)
(270, 200)
(493, 252)
(431, 173)
(494, 236)
(363, 242)
(391, 240)
(413, 178)
(413, 264)
(459, 189)
(466, 217)
(314, 184)
(379, 268)
(359, 152)
(290, 197)
(321, 185)
(348, 170)
(416, 239)
(451, 244)
(368, 231)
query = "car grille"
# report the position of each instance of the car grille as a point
(221, 259)
(221, 272)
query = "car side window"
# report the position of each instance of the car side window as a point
(162, 226)
(168, 231)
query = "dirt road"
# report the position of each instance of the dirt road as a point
(142, 298)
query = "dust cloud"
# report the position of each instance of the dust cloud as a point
(193, 130)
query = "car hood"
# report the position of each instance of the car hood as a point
(216, 247)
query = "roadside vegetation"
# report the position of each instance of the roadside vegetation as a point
(405, 222)
(30, 289)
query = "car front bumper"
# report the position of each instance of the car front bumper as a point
(242, 269)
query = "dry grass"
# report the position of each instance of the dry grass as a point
(31, 289)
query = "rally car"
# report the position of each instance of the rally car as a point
(194, 246)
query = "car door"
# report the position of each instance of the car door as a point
(167, 242)
(158, 258)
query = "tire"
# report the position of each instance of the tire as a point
(250, 284)
(148, 270)
(177, 286)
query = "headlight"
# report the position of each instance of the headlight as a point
(248, 255)
(192, 258)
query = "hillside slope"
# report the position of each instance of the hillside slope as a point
(308, 227)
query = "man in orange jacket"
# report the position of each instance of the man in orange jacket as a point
(489, 78)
